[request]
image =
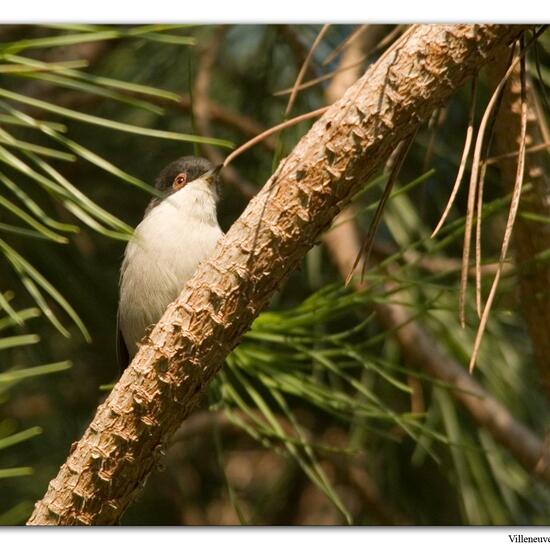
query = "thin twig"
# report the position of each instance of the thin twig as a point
(273, 130)
(513, 154)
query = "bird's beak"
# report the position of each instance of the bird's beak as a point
(211, 176)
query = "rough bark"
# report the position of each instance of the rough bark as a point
(530, 237)
(177, 360)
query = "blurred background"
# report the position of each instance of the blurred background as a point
(320, 416)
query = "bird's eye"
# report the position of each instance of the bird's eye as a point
(179, 181)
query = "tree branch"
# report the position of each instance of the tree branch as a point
(187, 347)
(202, 113)
(421, 350)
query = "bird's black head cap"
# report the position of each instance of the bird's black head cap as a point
(193, 167)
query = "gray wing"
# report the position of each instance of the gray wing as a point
(122, 355)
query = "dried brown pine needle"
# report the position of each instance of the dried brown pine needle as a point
(479, 216)
(473, 189)
(511, 215)
(389, 38)
(476, 172)
(345, 43)
(397, 162)
(512, 154)
(463, 160)
(303, 69)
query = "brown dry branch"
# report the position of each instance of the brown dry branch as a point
(421, 349)
(374, 498)
(177, 360)
(531, 237)
(202, 112)
(344, 67)
(433, 264)
(246, 125)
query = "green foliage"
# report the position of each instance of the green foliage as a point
(9, 436)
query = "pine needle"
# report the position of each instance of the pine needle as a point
(322, 78)
(479, 213)
(472, 192)
(463, 160)
(345, 43)
(511, 215)
(476, 172)
(303, 69)
(436, 121)
(512, 154)
(399, 158)
(541, 80)
(389, 38)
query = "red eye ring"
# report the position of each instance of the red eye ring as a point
(179, 181)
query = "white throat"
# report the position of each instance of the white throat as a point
(167, 246)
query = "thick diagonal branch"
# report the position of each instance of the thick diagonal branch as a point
(187, 347)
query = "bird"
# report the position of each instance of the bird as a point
(179, 230)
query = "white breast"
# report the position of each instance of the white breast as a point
(164, 253)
